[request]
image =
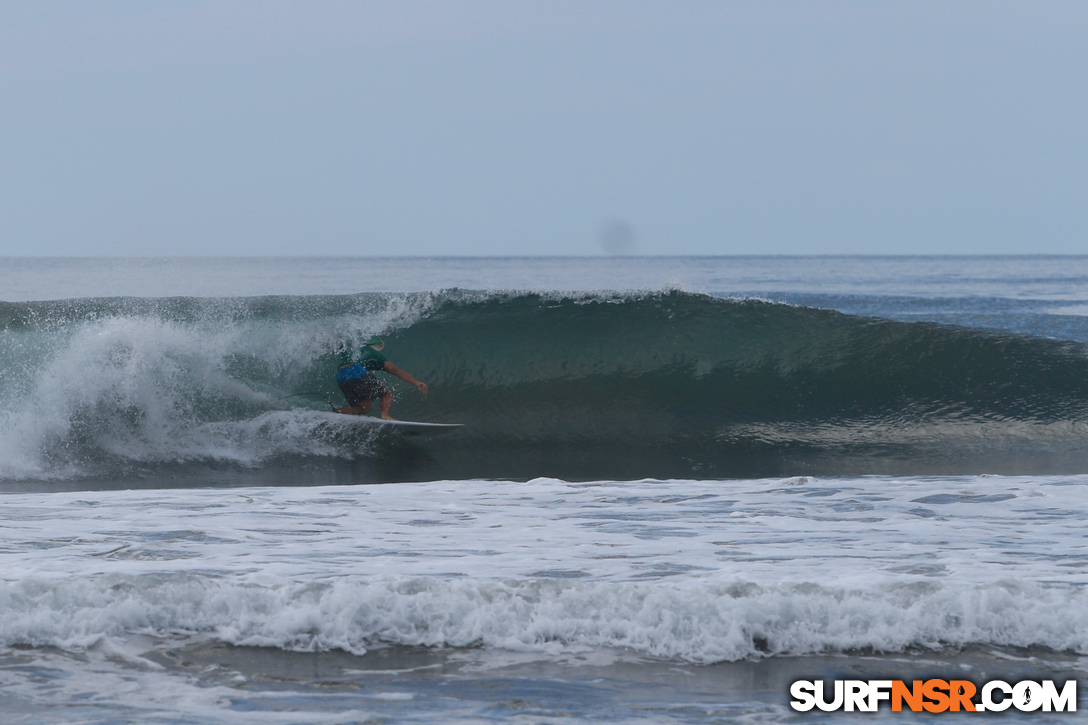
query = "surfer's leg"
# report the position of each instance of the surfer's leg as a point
(357, 395)
(385, 402)
(361, 409)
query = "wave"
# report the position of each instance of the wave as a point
(694, 621)
(666, 385)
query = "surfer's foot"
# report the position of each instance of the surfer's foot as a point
(348, 410)
(386, 416)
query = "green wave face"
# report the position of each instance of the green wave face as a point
(663, 385)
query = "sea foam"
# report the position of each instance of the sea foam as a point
(691, 621)
(697, 571)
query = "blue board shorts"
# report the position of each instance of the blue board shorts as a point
(358, 384)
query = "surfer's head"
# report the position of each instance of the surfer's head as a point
(375, 342)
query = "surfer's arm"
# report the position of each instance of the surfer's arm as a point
(405, 376)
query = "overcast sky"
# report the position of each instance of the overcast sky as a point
(502, 127)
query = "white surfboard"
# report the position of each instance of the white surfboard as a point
(400, 427)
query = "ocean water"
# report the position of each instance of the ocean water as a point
(682, 484)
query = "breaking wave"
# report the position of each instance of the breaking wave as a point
(693, 621)
(666, 385)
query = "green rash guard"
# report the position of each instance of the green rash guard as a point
(368, 357)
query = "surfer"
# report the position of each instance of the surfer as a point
(360, 385)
